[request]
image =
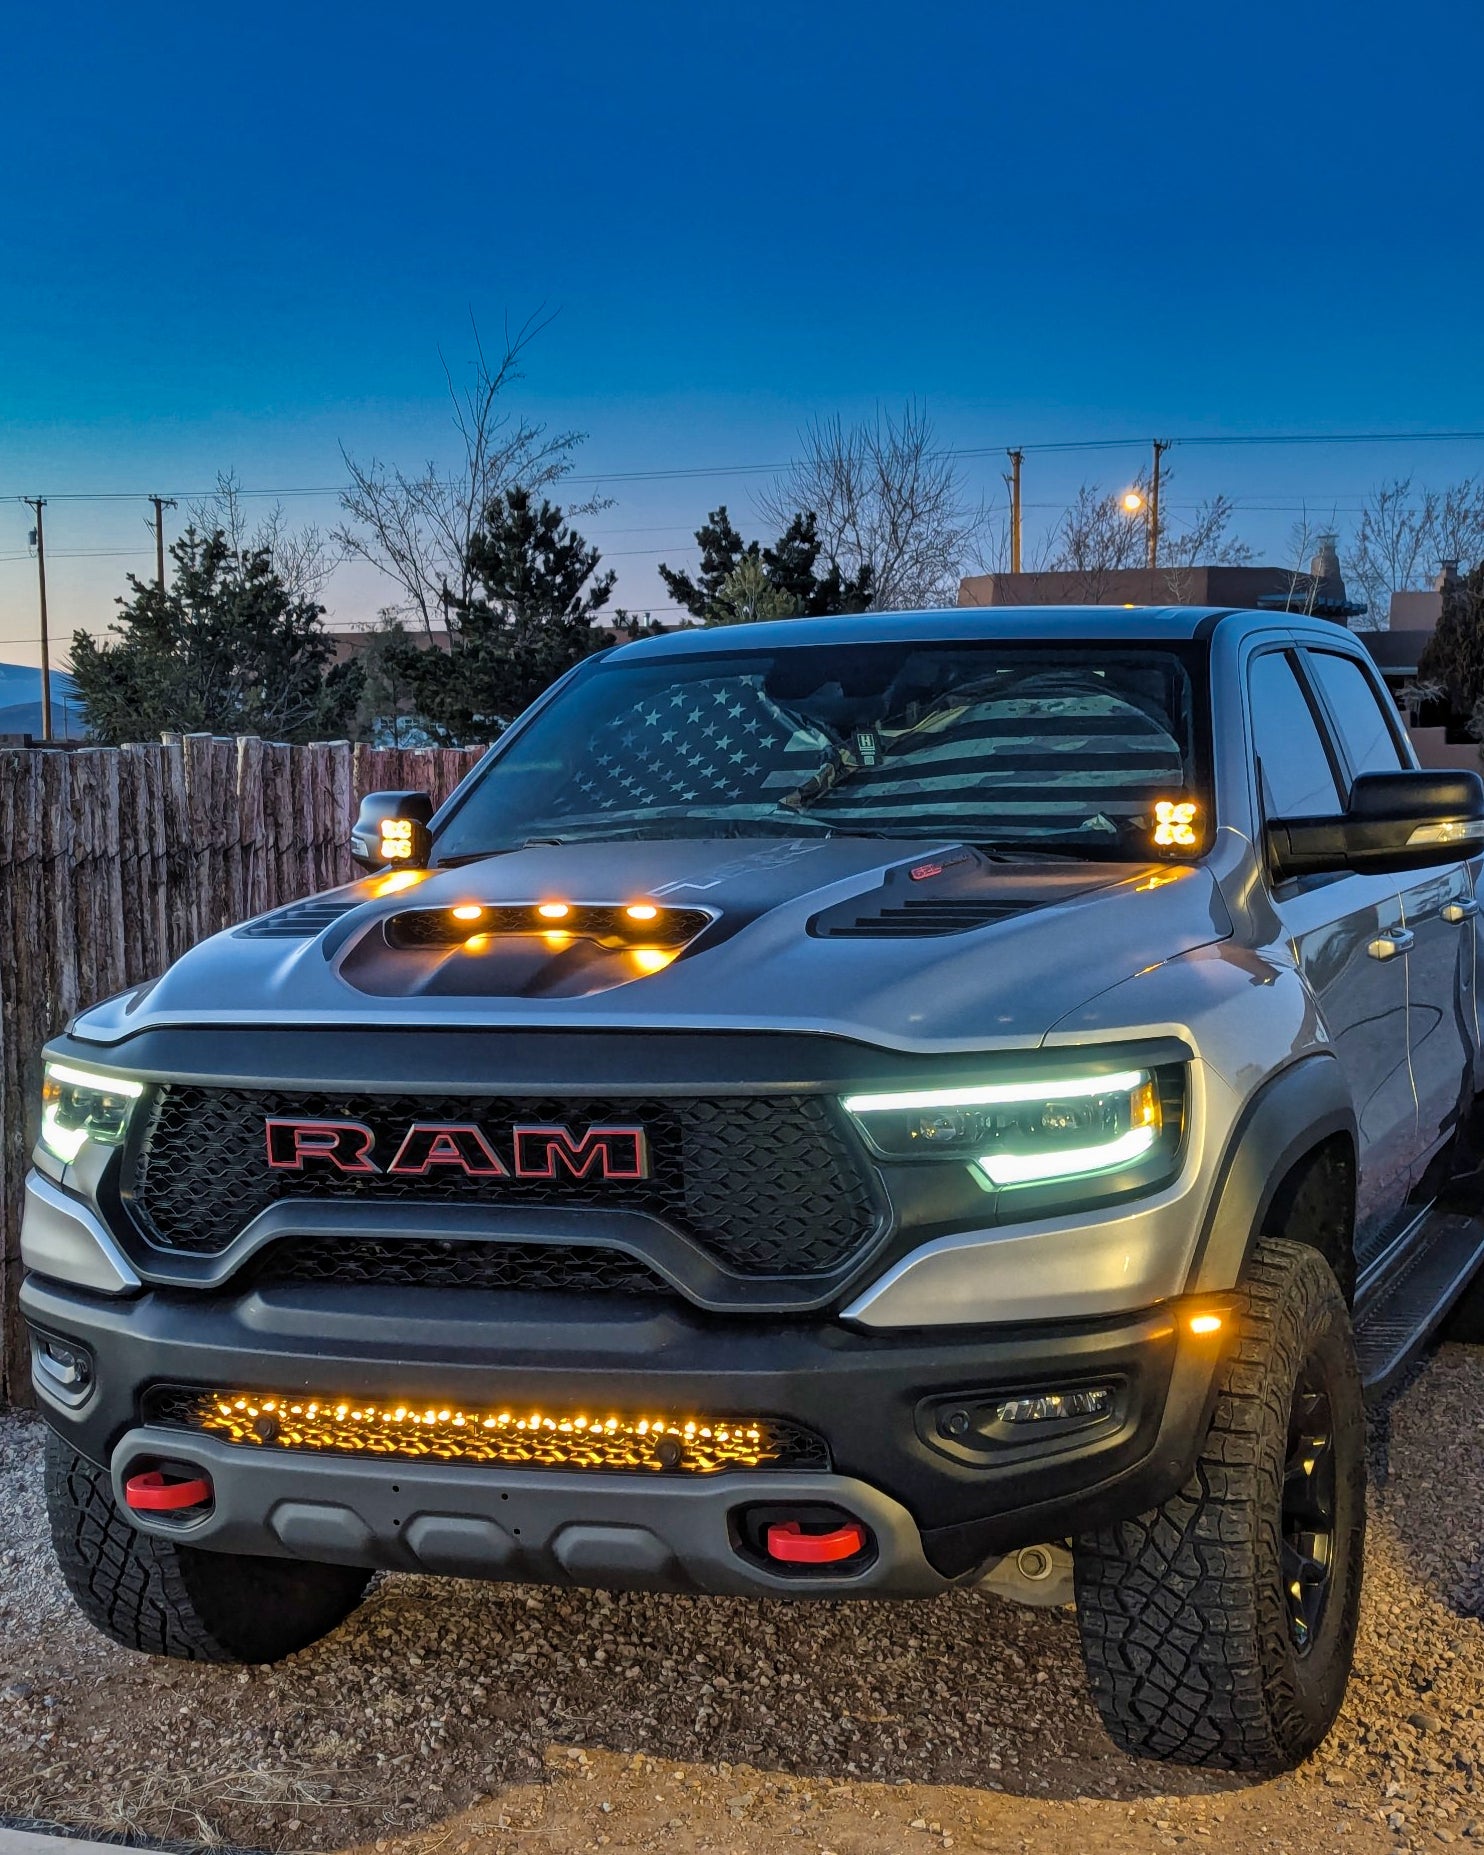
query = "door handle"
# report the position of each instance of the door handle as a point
(1463, 910)
(1388, 945)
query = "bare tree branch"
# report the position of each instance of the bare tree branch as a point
(1402, 539)
(1097, 537)
(417, 529)
(884, 497)
(303, 558)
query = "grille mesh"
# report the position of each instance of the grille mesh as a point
(512, 1437)
(768, 1185)
(433, 1263)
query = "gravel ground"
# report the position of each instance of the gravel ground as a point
(462, 1717)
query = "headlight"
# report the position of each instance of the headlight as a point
(1021, 1133)
(77, 1105)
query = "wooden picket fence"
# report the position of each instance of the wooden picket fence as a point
(113, 861)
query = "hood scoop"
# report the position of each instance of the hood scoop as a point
(952, 892)
(299, 921)
(918, 918)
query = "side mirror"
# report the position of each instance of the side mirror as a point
(392, 827)
(1395, 821)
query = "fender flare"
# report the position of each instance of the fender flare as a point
(1290, 1114)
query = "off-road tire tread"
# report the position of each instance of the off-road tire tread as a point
(1184, 1640)
(168, 1599)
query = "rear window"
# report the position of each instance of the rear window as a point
(1067, 748)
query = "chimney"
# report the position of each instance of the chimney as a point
(1447, 576)
(1325, 567)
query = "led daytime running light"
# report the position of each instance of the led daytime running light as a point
(112, 1098)
(1055, 1088)
(1028, 1168)
(90, 1079)
(65, 1142)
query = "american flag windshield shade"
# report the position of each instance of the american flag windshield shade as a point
(993, 743)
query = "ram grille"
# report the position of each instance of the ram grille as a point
(766, 1185)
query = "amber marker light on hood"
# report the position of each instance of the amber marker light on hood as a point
(641, 911)
(467, 911)
(553, 911)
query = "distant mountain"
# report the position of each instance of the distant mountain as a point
(20, 702)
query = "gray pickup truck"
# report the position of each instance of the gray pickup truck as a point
(850, 1107)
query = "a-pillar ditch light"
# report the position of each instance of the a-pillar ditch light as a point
(391, 831)
(1176, 824)
(1021, 1133)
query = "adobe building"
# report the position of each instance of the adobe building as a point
(1319, 593)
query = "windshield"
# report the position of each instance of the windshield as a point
(1038, 747)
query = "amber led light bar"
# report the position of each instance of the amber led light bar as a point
(619, 926)
(509, 1436)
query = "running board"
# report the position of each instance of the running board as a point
(1400, 1304)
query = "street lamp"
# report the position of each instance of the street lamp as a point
(1133, 502)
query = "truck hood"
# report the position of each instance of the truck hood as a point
(906, 945)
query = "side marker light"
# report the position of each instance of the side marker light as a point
(1205, 1323)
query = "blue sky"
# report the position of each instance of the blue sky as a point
(236, 237)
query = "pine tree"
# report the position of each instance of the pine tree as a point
(225, 648)
(747, 595)
(1454, 655)
(792, 563)
(722, 550)
(536, 594)
(790, 568)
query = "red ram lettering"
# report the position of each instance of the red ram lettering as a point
(448, 1143)
(611, 1152)
(345, 1145)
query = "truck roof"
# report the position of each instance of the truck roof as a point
(1149, 623)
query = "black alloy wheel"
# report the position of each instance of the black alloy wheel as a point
(1308, 1523)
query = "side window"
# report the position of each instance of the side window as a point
(1297, 779)
(1364, 728)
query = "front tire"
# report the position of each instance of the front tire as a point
(173, 1599)
(1219, 1629)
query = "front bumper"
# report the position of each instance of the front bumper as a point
(939, 1509)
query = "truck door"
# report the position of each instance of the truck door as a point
(1345, 934)
(1437, 910)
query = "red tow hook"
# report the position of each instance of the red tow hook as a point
(151, 1493)
(788, 1541)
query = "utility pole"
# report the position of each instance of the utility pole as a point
(1161, 445)
(38, 503)
(162, 503)
(1017, 458)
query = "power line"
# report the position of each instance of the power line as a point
(87, 553)
(1045, 448)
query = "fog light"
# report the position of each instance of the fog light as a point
(65, 1365)
(1056, 1406)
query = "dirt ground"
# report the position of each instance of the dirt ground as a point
(478, 1719)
